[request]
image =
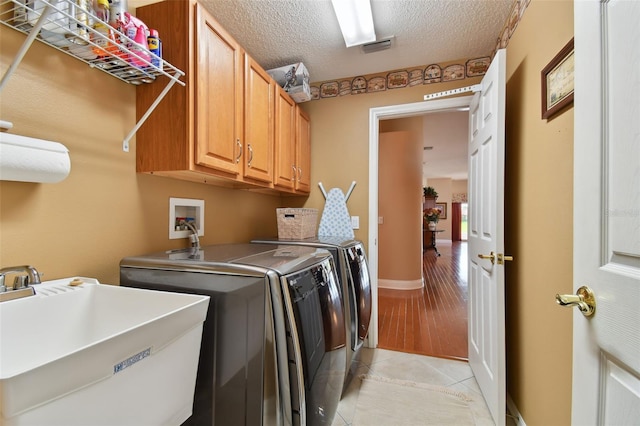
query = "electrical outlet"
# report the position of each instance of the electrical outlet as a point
(380, 220)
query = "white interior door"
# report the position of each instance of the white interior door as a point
(486, 237)
(606, 345)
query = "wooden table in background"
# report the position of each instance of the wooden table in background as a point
(429, 241)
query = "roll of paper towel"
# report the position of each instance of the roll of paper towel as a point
(27, 159)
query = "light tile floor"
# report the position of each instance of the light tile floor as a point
(456, 375)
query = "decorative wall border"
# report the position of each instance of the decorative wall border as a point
(426, 74)
(459, 197)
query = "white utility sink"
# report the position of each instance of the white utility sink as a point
(94, 354)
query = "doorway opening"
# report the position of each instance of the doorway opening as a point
(375, 115)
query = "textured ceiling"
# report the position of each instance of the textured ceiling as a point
(281, 32)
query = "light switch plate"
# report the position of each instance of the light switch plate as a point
(355, 222)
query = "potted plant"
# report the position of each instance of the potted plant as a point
(432, 216)
(429, 192)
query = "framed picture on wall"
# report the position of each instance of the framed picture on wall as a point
(443, 210)
(557, 82)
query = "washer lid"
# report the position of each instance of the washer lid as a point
(285, 259)
(220, 257)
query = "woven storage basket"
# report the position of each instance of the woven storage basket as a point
(297, 223)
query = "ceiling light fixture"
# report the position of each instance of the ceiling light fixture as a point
(356, 21)
(377, 46)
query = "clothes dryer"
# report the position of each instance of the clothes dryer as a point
(353, 273)
(273, 349)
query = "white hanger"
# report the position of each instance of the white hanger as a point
(346, 197)
(322, 189)
(353, 185)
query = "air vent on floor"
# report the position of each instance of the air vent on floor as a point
(379, 45)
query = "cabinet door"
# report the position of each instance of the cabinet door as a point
(285, 161)
(303, 151)
(258, 122)
(219, 97)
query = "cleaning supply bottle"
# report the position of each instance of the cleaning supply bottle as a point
(136, 30)
(155, 47)
(105, 43)
(80, 46)
(82, 21)
(117, 8)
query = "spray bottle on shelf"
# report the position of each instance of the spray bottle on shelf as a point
(83, 21)
(105, 43)
(117, 8)
(137, 31)
(79, 39)
(155, 47)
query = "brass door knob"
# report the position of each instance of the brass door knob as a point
(491, 257)
(584, 299)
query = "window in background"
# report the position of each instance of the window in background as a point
(464, 207)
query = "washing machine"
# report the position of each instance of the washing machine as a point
(274, 344)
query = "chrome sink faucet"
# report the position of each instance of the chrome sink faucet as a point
(32, 277)
(193, 237)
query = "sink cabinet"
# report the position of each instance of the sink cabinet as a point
(219, 128)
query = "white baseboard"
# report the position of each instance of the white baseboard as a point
(512, 411)
(400, 284)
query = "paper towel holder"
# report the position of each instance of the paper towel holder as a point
(27, 159)
(5, 125)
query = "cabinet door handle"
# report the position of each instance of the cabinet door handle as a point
(295, 173)
(250, 155)
(239, 150)
(299, 174)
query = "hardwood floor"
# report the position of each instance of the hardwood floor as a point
(432, 320)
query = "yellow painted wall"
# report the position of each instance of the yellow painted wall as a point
(539, 222)
(340, 142)
(459, 187)
(400, 206)
(103, 211)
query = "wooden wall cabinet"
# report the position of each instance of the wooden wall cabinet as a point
(259, 122)
(285, 147)
(293, 146)
(303, 151)
(217, 83)
(219, 128)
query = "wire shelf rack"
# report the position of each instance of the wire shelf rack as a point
(68, 27)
